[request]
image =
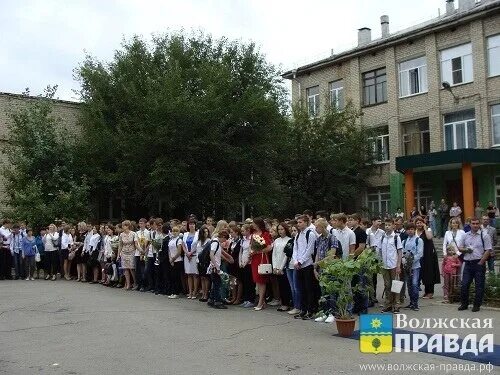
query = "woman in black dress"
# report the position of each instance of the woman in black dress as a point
(429, 263)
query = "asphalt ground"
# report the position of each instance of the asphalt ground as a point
(65, 327)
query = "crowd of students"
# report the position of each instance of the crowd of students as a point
(254, 264)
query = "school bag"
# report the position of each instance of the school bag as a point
(204, 256)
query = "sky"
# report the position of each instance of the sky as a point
(43, 41)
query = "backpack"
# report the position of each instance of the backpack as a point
(204, 256)
(408, 257)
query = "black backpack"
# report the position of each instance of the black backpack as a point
(204, 256)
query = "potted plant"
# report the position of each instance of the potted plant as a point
(336, 282)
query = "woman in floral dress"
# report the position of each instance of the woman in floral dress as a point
(126, 252)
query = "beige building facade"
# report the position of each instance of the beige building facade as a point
(430, 91)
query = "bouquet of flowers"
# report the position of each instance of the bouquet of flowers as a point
(257, 243)
(114, 244)
(157, 242)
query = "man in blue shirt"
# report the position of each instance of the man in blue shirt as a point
(413, 250)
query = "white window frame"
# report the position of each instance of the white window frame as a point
(379, 202)
(492, 125)
(464, 52)
(493, 44)
(336, 92)
(404, 75)
(384, 140)
(315, 99)
(423, 193)
(466, 128)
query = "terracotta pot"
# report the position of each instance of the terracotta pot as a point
(345, 327)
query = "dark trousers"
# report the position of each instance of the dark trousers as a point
(473, 271)
(5, 264)
(248, 284)
(174, 279)
(18, 265)
(52, 262)
(444, 225)
(161, 277)
(305, 277)
(29, 263)
(285, 291)
(373, 295)
(215, 295)
(149, 271)
(361, 296)
(429, 288)
(139, 271)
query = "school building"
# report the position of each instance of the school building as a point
(432, 94)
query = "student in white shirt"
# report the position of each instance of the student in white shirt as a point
(345, 236)
(279, 261)
(144, 239)
(303, 250)
(50, 241)
(390, 251)
(66, 242)
(248, 295)
(175, 260)
(189, 240)
(217, 253)
(5, 256)
(373, 236)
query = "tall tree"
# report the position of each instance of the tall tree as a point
(328, 159)
(188, 120)
(41, 181)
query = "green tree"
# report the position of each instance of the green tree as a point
(186, 119)
(328, 158)
(41, 181)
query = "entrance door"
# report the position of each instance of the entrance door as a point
(455, 193)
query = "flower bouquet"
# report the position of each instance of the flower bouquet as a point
(257, 243)
(114, 244)
(156, 243)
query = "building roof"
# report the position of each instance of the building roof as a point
(452, 20)
(447, 159)
(24, 97)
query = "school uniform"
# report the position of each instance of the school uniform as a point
(389, 249)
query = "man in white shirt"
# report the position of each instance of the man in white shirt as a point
(390, 251)
(303, 250)
(345, 235)
(144, 238)
(5, 255)
(373, 236)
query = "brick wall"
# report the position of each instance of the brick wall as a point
(479, 94)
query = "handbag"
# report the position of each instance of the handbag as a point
(265, 268)
(38, 258)
(71, 255)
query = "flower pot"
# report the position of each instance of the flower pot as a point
(345, 327)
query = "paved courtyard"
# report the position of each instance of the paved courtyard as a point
(70, 328)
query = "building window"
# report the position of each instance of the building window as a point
(416, 137)
(413, 77)
(381, 145)
(379, 201)
(495, 122)
(460, 130)
(494, 55)
(374, 87)
(456, 65)
(423, 195)
(337, 94)
(313, 101)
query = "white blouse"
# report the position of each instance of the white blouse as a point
(48, 241)
(449, 239)
(279, 256)
(172, 248)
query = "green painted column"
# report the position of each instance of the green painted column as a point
(396, 189)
